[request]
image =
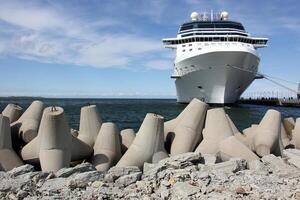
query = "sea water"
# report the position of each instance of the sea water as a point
(129, 113)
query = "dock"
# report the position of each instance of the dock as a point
(285, 102)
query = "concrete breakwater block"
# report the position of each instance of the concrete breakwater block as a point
(79, 150)
(289, 125)
(231, 147)
(107, 148)
(55, 140)
(13, 112)
(217, 128)
(284, 136)
(267, 137)
(296, 134)
(8, 158)
(184, 133)
(147, 142)
(26, 127)
(127, 137)
(90, 123)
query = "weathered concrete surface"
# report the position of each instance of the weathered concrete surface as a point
(187, 132)
(233, 148)
(147, 142)
(107, 148)
(8, 158)
(127, 137)
(13, 112)
(26, 127)
(267, 138)
(55, 140)
(184, 176)
(289, 125)
(89, 126)
(217, 128)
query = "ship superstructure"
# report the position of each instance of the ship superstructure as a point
(216, 59)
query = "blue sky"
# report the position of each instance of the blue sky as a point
(107, 48)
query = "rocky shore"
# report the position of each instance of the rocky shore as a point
(200, 154)
(184, 176)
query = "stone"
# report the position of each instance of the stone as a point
(84, 167)
(21, 170)
(126, 180)
(255, 165)
(276, 163)
(184, 190)
(233, 165)
(88, 176)
(116, 172)
(293, 156)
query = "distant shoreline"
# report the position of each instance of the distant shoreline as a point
(39, 97)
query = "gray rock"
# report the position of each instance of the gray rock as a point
(175, 162)
(182, 160)
(84, 167)
(87, 177)
(233, 165)
(209, 159)
(126, 180)
(276, 163)
(21, 170)
(54, 185)
(116, 172)
(255, 165)
(184, 190)
(293, 157)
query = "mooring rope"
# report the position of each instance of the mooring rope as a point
(269, 78)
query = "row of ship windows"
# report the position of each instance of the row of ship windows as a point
(218, 39)
(206, 44)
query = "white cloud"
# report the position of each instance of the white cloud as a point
(45, 35)
(159, 64)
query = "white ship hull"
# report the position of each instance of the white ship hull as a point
(217, 76)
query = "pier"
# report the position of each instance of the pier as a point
(287, 102)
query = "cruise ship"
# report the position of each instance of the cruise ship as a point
(216, 59)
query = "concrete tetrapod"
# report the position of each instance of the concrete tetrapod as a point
(233, 148)
(284, 137)
(107, 148)
(8, 158)
(90, 123)
(26, 127)
(296, 134)
(79, 150)
(267, 135)
(217, 128)
(148, 141)
(55, 140)
(13, 112)
(127, 137)
(189, 128)
(248, 136)
(289, 125)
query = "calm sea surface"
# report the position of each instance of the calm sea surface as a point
(129, 113)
